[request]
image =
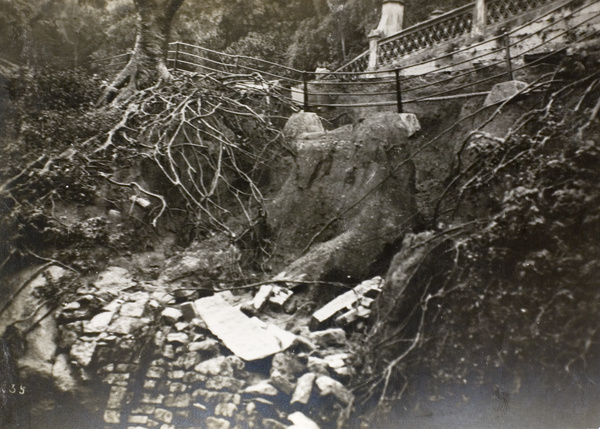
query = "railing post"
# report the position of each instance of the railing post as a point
(509, 69)
(305, 89)
(398, 91)
(374, 37)
(176, 55)
(479, 20)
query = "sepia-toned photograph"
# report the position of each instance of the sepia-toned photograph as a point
(299, 214)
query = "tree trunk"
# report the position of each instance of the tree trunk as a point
(147, 65)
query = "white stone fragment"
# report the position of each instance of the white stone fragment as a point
(246, 339)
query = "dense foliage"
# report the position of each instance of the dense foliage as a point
(299, 33)
(509, 282)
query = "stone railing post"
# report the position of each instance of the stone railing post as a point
(391, 21)
(479, 20)
(374, 37)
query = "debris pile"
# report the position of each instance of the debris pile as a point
(177, 362)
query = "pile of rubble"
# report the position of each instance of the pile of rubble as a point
(209, 362)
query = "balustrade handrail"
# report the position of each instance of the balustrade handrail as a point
(529, 5)
(463, 10)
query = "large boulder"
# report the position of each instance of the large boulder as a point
(349, 196)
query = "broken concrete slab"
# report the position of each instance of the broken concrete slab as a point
(245, 337)
(345, 301)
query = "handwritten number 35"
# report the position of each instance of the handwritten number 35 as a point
(13, 389)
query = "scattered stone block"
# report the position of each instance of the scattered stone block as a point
(329, 386)
(352, 316)
(171, 315)
(301, 421)
(178, 338)
(114, 279)
(243, 337)
(199, 406)
(117, 379)
(139, 420)
(112, 417)
(214, 398)
(503, 91)
(163, 415)
(273, 424)
(155, 372)
(218, 382)
(166, 426)
(176, 375)
(304, 388)
(410, 123)
(168, 351)
(177, 387)
(182, 414)
(116, 397)
(99, 323)
(83, 352)
(317, 365)
(181, 326)
(280, 296)
(336, 361)
(152, 423)
(194, 378)
(216, 366)
(144, 409)
(346, 301)
(282, 382)
(288, 363)
(178, 401)
(113, 306)
(133, 309)
(217, 423)
(126, 325)
(188, 311)
(150, 384)
(207, 346)
(190, 359)
(151, 398)
(261, 297)
(329, 337)
(225, 410)
(261, 388)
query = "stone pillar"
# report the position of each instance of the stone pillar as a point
(479, 20)
(392, 17)
(374, 37)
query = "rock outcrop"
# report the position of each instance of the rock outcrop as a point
(349, 195)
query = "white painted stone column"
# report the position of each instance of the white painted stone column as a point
(374, 37)
(391, 21)
(392, 17)
(479, 19)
